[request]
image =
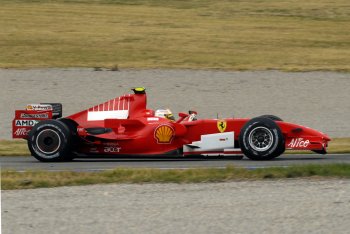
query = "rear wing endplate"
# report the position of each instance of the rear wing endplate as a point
(26, 119)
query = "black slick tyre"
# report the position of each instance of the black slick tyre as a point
(72, 126)
(275, 118)
(261, 139)
(50, 141)
(272, 117)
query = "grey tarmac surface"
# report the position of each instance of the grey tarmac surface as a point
(98, 164)
(269, 206)
(318, 100)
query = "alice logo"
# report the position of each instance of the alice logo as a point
(164, 134)
(222, 124)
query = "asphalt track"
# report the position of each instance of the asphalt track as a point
(99, 164)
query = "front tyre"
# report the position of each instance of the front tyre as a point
(50, 141)
(261, 139)
(272, 117)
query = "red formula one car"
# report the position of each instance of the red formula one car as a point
(124, 126)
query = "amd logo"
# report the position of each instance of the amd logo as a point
(26, 123)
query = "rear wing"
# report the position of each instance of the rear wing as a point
(26, 119)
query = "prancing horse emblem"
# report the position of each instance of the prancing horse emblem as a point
(222, 124)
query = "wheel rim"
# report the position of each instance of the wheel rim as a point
(260, 139)
(48, 141)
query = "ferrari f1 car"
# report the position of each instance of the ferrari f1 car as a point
(123, 126)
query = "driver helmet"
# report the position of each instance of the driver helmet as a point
(165, 113)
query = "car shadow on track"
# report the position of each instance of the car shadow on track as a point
(177, 159)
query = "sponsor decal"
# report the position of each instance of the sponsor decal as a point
(21, 132)
(111, 144)
(152, 119)
(223, 139)
(26, 123)
(299, 143)
(111, 149)
(164, 134)
(102, 115)
(93, 150)
(221, 124)
(39, 107)
(35, 116)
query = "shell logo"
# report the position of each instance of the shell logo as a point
(164, 134)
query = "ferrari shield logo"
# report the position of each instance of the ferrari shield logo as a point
(222, 124)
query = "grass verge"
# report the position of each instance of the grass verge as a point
(14, 148)
(42, 179)
(19, 147)
(292, 35)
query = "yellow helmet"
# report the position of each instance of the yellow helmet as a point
(165, 113)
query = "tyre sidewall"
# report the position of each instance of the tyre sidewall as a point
(277, 144)
(62, 131)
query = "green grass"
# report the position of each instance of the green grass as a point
(293, 35)
(14, 148)
(19, 147)
(42, 179)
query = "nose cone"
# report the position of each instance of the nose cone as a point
(326, 137)
(295, 130)
(314, 132)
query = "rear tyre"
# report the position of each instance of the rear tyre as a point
(50, 141)
(72, 126)
(261, 139)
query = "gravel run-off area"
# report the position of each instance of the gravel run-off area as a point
(316, 99)
(274, 206)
